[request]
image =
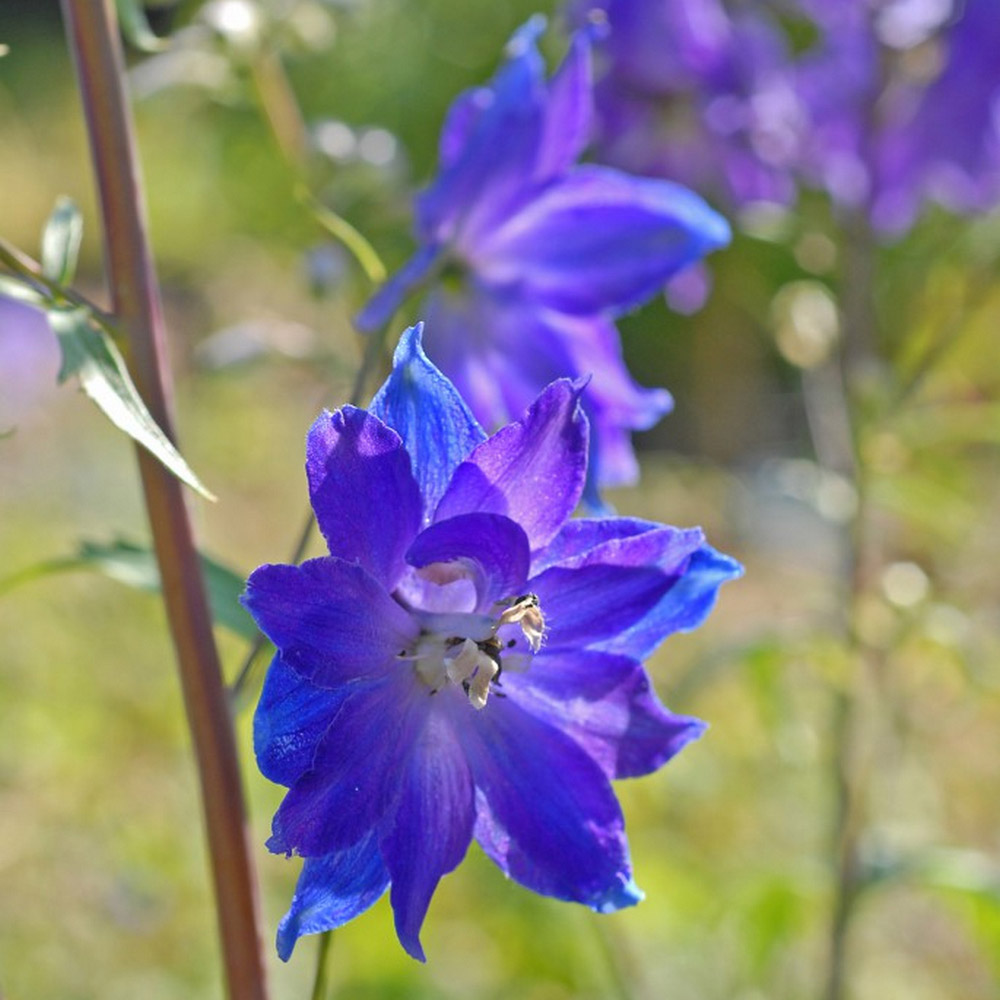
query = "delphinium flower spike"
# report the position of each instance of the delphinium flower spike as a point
(530, 257)
(466, 663)
(885, 107)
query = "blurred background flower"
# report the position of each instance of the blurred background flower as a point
(884, 104)
(29, 363)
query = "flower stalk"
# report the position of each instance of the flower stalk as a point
(94, 41)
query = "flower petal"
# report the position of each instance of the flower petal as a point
(492, 548)
(354, 778)
(589, 540)
(459, 123)
(331, 620)
(531, 470)
(601, 240)
(332, 890)
(291, 718)
(498, 351)
(614, 403)
(546, 813)
(494, 167)
(366, 500)
(431, 829)
(427, 412)
(595, 604)
(569, 111)
(682, 608)
(607, 705)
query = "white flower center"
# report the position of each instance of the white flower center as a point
(477, 664)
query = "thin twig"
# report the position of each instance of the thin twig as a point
(24, 265)
(94, 40)
(321, 981)
(833, 422)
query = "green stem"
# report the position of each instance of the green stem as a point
(835, 418)
(321, 983)
(283, 115)
(338, 227)
(620, 965)
(93, 38)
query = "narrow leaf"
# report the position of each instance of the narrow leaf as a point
(14, 288)
(135, 566)
(87, 351)
(61, 242)
(135, 26)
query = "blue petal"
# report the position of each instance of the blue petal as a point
(354, 778)
(568, 112)
(595, 604)
(587, 540)
(331, 620)
(499, 352)
(459, 123)
(602, 594)
(431, 829)
(492, 550)
(425, 409)
(494, 169)
(381, 306)
(683, 607)
(546, 813)
(333, 890)
(601, 240)
(291, 718)
(614, 403)
(531, 470)
(607, 705)
(366, 500)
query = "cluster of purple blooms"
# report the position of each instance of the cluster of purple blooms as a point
(466, 663)
(884, 104)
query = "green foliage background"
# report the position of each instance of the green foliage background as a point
(103, 887)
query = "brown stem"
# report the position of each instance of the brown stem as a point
(93, 38)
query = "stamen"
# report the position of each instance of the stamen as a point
(526, 612)
(476, 663)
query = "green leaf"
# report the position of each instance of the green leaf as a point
(135, 26)
(135, 566)
(15, 288)
(87, 351)
(61, 242)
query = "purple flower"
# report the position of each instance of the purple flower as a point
(530, 257)
(888, 105)
(944, 142)
(690, 93)
(466, 661)
(29, 362)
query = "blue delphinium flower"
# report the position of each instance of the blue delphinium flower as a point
(530, 257)
(466, 662)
